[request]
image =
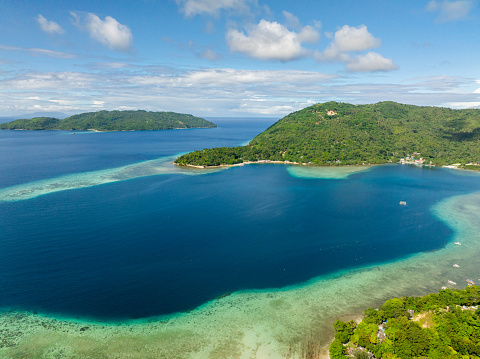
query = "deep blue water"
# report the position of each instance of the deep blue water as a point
(169, 243)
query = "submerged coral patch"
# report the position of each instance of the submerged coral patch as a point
(94, 178)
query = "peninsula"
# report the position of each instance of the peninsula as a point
(334, 133)
(111, 121)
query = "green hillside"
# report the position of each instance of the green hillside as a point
(111, 121)
(445, 325)
(335, 133)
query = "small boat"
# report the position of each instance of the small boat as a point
(470, 282)
(452, 282)
(458, 243)
(403, 203)
(443, 288)
(456, 266)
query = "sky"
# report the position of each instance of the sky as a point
(235, 58)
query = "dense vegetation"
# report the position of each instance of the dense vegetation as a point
(335, 133)
(445, 325)
(111, 121)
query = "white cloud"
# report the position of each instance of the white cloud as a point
(216, 91)
(464, 105)
(331, 54)
(51, 53)
(43, 52)
(49, 80)
(370, 62)
(50, 27)
(272, 41)
(213, 7)
(233, 77)
(109, 32)
(350, 38)
(347, 39)
(450, 10)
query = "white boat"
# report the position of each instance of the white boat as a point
(456, 266)
(458, 243)
(452, 282)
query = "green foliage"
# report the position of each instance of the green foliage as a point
(337, 350)
(335, 133)
(365, 334)
(454, 332)
(343, 331)
(360, 354)
(111, 121)
(371, 315)
(393, 308)
(37, 123)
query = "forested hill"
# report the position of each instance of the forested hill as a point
(437, 326)
(336, 133)
(111, 121)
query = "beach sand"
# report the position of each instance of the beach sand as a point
(293, 322)
(326, 172)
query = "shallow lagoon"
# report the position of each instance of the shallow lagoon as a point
(354, 272)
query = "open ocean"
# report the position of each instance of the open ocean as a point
(132, 236)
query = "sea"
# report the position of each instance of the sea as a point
(102, 225)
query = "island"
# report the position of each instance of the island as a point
(112, 121)
(440, 325)
(334, 133)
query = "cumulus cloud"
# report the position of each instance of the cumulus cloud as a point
(272, 41)
(108, 32)
(350, 39)
(212, 7)
(347, 39)
(370, 62)
(50, 27)
(450, 10)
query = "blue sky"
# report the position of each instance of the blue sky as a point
(235, 57)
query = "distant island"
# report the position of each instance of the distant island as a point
(334, 133)
(111, 121)
(442, 325)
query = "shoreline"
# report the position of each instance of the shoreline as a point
(455, 167)
(274, 162)
(281, 322)
(95, 130)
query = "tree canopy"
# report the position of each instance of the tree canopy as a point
(334, 133)
(444, 325)
(112, 121)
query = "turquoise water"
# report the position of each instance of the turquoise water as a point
(102, 225)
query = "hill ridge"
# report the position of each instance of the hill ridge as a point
(116, 120)
(336, 133)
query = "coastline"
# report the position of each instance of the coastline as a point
(269, 323)
(95, 130)
(270, 161)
